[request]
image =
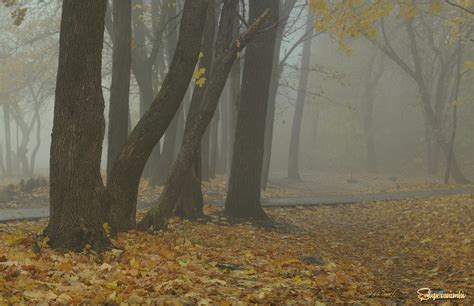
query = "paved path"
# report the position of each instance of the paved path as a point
(12, 214)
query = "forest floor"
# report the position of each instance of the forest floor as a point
(376, 252)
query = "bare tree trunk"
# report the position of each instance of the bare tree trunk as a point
(224, 135)
(234, 92)
(214, 152)
(196, 125)
(120, 87)
(2, 164)
(287, 8)
(190, 201)
(8, 143)
(22, 164)
(452, 139)
(243, 197)
(77, 195)
(34, 153)
(126, 171)
(205, 154)
(374, 73)
(294, 152)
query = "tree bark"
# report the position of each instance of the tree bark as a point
(76, 191)
(34, 153)
(294, 152)
(120, 87)
(8, 140)
(224, 136)
(196, 125)
(243, 197)
(126, 171)
(234, 92)
(190, 202)
(2, 164)
(214, 152)
(205, 155)
(287, 8)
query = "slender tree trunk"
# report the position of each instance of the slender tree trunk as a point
(8, 143)
(452, 139)
(120, 87)
(224, 136)
(294, 152)
(196, 125)
(76, 191)
(22, 164)
(243, 197)
(214, 152)
(374, 73)
(126, 171)
(234, 92)
(34, 153)
(2, 164)
(287, 8)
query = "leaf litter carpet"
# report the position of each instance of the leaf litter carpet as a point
(372, 253)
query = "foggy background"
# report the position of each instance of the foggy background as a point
(332, 137)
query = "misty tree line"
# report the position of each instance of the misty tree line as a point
(207, 73)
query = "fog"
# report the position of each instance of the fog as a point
(336, 123)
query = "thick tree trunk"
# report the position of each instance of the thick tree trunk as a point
(8, 140)
(126, 171)
(76, 191)
(120, 87)
(243, 197)
(294, 152)
(196, 128)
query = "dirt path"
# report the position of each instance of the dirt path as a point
(11, 214)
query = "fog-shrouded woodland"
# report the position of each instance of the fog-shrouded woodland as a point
(236, 151)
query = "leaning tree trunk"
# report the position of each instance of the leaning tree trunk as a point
(159, 215)
(122, 185)
(190, 202)
(294, 152)
(243, 197)
(120, 87)
(76, 189)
